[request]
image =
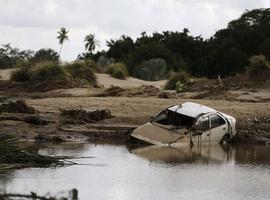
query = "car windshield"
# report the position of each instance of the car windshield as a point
(168, 117)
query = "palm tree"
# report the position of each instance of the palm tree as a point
(90, 43)
(62, 37)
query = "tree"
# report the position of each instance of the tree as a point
(45, 55)
(10, 56)
(90, 43)
(62, 37)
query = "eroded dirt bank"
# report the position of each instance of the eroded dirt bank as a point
(253, 122)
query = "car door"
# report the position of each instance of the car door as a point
(218, 127)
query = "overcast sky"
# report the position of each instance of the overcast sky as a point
(32, 24)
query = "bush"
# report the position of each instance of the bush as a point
(152, 70)
(81, 70)
(22, 73)
(178, 81)
(258, 65)
(118, 70)
(48, 71)
(103, 63)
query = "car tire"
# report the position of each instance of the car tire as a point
(226, 139)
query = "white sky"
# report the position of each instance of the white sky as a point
(32, 24)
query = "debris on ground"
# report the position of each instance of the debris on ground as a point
(216, 93)
(18, 106)
(112, 92)
(144, 91)
(254, 130)
(44, 138)
(165, 95)
(81, 116)
(35, 120)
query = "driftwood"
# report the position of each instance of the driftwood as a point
(73, 195)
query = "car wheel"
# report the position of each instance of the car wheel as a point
(226, 139)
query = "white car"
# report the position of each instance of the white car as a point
(187, 124)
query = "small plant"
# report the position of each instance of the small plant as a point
(258, 65)
(179, 87)
(118, 70)
(178, 81)
(22, 73)
(81, 70)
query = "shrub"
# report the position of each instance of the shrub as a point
(81, 70)
(22, 73)
(103, 63)
(118, 70)
(152, 70)
(258, 65)
(48, 71)
(45, 55)
(178, 81)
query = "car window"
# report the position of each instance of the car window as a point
(203, 124)
(216, 121)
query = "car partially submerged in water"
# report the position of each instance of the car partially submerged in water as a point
(187, 124)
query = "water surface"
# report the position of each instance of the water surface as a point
(115, 172)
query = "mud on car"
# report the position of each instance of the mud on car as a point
(187, 123)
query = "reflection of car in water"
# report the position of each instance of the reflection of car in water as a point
(197, 154)
(189, 123)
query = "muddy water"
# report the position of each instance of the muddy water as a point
(115, 172)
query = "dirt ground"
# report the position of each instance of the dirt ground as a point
(251, 107)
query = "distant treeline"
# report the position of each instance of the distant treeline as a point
(152, 57)
(225, 53)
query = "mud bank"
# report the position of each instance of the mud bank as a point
(253, 119)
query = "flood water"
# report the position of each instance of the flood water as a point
(115, 172)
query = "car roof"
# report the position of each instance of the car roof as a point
(191, 109)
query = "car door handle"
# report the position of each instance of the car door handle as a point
(224, 129)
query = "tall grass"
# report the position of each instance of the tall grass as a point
(81, 70)
(118, 70)
(13, 157)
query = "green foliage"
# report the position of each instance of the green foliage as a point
(91, 42)
(152, 70)
(82, 70)
(48, 71)
(226, 53)
(179, 87)
(21, 75)
(103, 63)
(10, 56)
(11, 155)
(178, 81)
(62, 35)
(118, 70)
(45, 55)
(258, 65)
